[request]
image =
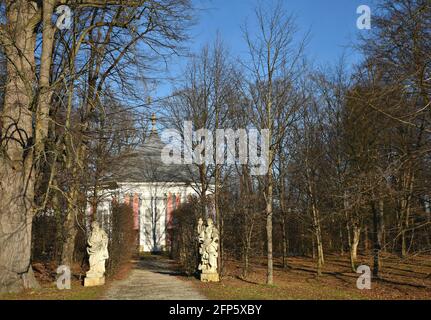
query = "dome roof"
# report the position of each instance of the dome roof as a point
(145, 164)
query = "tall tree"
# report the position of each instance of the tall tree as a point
(25, 116)
(273, 69)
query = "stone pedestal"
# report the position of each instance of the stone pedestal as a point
(93, 282)
(210, 277)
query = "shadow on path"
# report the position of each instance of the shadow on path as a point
(153, 278)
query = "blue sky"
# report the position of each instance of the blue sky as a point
(331, 23)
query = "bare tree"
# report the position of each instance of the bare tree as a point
(275, 63)
(28, 94)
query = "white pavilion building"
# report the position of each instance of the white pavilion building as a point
(153, 189)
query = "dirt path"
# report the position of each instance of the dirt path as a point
(153, 278)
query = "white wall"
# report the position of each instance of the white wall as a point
(151, 195)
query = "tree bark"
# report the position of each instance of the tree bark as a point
(219, 221)
(405, 211)
(353, 229)
(17, 175)
(377, 236)
(317, 230)
(356, 234)
(270, 269)
(70, 231)
(285, 241)
(366, 240)
(285, 212)
(341, 239)
(318, 237)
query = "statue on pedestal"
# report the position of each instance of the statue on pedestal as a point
(208, 237)
(98, 252)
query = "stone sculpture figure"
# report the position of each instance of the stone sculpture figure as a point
(208, 237)
(98, 252)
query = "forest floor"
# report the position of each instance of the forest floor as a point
(46, 275)
(149, 277)
(400, 280)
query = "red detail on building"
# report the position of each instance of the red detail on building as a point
(136, 211)
(169, 211)
(178, 201)
(169, 219)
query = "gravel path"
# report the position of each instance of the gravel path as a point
(153, 278)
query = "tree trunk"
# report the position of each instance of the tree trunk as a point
(320, 256)
(318, 236)
(247, 223)
(270, 277)
(341, 240)
(366, 240)
(285, 241)
(356, 234)
(17, 175)
(377, 236)
(428, 213)
(219, 219)
(313, 245)
(16, 212)
(403, 242)
(245, 261)
(405, 216)
(70, 230)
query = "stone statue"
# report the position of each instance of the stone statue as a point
(98, 252)
(208, 237)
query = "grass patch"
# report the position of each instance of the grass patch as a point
(50, 292)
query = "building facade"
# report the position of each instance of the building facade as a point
(153, 189)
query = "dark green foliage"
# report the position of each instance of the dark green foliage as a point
(122, 240)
